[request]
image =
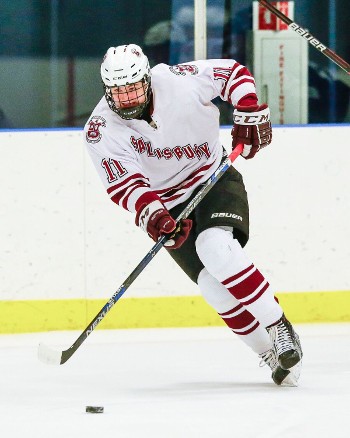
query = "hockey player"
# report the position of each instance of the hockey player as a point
(154, 139)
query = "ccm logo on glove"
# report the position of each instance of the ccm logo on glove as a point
(251, 119)
(252, 127)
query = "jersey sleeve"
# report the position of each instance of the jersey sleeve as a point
(231, 80)
(123, 179)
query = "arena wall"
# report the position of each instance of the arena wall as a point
(65, 247)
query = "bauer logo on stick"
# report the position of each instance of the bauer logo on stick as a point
(305, 34)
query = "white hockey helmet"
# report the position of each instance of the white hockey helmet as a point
(125, 65)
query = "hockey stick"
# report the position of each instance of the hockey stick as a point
(50, 356)
(308, 37)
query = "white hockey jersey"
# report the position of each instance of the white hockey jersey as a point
(182, 148)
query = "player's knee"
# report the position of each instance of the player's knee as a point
(219, 251)
(213, 244)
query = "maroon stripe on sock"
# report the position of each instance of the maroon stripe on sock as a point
(234, 277)
(235, 309)
(250, 330)
(247, 286)
(257, 296)
(239, 321)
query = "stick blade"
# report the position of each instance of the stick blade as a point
(48, 355)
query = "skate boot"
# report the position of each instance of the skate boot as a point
(280, 376)
(285, 343)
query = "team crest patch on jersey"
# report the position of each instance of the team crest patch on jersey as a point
(93, 134)
(183, 69)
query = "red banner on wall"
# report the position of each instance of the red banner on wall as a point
(268, 21)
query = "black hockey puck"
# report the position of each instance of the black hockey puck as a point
(94, 409)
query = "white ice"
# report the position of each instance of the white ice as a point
(172, 383)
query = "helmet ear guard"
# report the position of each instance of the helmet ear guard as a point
(126, 65)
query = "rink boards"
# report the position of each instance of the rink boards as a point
(66, 247)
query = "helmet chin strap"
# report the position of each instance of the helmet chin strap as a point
(131, 113)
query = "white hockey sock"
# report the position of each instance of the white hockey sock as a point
(237, 318)
(225, 260)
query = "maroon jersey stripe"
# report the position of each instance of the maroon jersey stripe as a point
(125, 181)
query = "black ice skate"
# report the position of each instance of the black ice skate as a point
(280, 376)
(285, 343)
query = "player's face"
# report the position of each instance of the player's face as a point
(127, 96)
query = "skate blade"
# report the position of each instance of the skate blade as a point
(293, 377)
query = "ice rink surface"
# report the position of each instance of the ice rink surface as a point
(173, 383)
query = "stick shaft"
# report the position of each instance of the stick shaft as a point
(150, 255)
(308, 37)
